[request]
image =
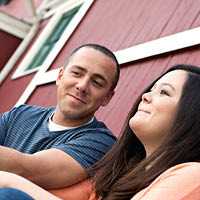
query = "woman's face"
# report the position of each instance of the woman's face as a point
(157, 109)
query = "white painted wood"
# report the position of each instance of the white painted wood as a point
(162, 45)
(11, 21)
(50, 8)
(36, 46)
(48, 77)
(13, 25)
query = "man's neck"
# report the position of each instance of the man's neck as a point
(69, 122)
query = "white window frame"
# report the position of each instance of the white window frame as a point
(50, 7)
(21, 70)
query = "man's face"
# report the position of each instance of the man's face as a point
(85, 84)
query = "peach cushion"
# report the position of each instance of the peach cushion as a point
(79, 191)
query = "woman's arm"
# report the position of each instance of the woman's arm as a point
(14, 181)
(181, 182)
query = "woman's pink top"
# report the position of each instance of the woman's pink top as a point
(181, 182)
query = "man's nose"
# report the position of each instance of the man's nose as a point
(83, 85)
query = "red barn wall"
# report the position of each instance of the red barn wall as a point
(9, 43)
(122, 24)
(11, 90)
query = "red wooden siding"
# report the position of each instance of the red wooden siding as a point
(122, 24)
(8, 45)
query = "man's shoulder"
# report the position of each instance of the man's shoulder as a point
(32, 108)
(97, 129)
(95, 124)
(28, 112)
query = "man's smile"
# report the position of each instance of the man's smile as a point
(77, 98)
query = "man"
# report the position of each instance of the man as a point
(54, 147)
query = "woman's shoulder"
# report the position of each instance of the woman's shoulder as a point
(189, 167)
(179, 182)
(187, 173)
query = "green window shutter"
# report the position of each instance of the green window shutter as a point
(52, 39)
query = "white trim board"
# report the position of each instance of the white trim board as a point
(155, 47)
(13, 25)
(162, 45)
(47, 9)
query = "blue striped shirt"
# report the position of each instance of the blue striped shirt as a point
(25, 128)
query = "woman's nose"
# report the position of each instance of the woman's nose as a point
(146, 97)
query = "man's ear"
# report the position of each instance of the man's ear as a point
(108, 98)
(60, 73)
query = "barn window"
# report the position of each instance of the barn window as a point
(53, 37)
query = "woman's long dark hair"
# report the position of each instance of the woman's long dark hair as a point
(125, 170)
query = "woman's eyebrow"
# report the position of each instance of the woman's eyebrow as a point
(171, 86)
(167, 84)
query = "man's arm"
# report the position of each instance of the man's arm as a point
(14, 181)
(49, 169)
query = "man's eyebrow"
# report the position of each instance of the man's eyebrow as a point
(79, 67)
(101, 77)
(168, 84)
(95, 75)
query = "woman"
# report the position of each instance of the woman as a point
(157, 154)
(166, 125)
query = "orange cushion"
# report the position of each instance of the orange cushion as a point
(80, 191)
